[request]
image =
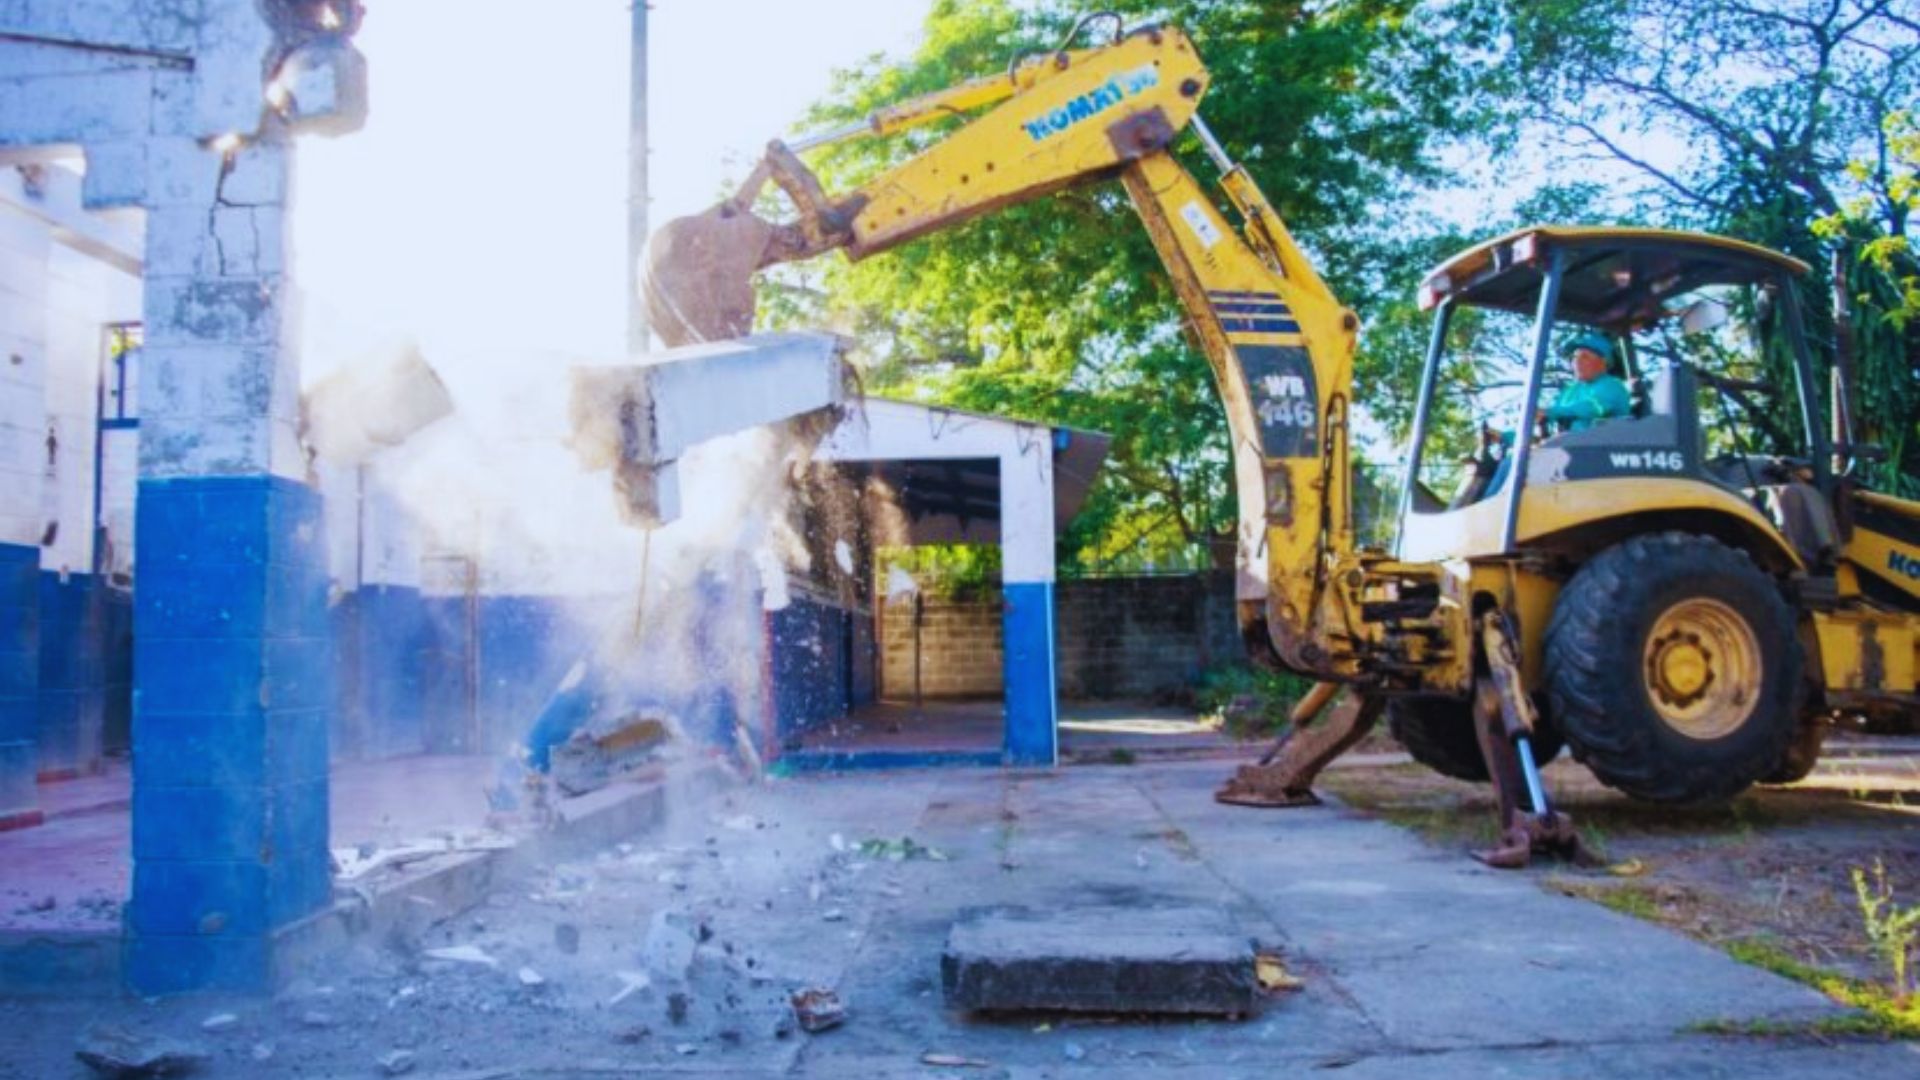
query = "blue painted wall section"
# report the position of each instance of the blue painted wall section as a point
(810, 665)
(73, 674)
(1028, 656)
(235, 683)
(526, 644)
(19, 683)
(385, 641)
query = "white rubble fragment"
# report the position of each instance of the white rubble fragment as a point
(631, 982)
(462, 954)
(219, 1022)
(530, 978)
(670, 946)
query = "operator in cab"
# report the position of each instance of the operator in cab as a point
(1595, 394)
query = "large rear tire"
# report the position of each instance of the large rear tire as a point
(1438, 732)
(1803, 753)
(1673, 669)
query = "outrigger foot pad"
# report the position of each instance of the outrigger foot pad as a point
(1552, 836)
(1259, 786)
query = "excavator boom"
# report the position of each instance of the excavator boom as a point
(1279, 342)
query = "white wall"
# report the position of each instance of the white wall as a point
(25, 246)
(55, 304)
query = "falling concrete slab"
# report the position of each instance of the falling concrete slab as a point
(1188, 960)
(639, 418)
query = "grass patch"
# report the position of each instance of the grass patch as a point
(1880, 1013)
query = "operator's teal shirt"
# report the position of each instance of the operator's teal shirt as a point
(1580, 405)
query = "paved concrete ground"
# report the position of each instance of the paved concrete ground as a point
(72, 872)
(1416, 961)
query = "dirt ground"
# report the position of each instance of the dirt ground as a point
(1773, 867)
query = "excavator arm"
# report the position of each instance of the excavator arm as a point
(1279, 342)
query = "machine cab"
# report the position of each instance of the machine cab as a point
(1576, 375)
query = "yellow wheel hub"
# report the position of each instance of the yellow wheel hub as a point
(1703, 668)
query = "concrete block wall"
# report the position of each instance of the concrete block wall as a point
(815, 655)
(1144, 638)
(1131, 638)
(960, 649)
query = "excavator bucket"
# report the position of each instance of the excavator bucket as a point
(699, 275)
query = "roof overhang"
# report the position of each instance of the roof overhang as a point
(1614, 278)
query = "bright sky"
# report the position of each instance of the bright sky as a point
(483, 207)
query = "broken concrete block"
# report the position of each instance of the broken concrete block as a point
(638, 419)
(817, 1009)
(671, 941)
(375, 403)
(1188, 960)
(112, 1052)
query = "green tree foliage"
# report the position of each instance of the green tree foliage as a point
(1742, 117)
(1058, 310)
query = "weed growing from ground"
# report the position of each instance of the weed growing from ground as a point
(1892, 929)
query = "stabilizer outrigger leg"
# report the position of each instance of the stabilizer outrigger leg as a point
(1285, 773)
(1504, 720)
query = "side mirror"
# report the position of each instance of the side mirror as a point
(1702, 316)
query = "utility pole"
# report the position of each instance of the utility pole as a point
(637, 332)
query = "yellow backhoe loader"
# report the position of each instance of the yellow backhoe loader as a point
(1684, 613)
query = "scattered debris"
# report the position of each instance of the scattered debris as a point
(531, 978)
(462, 954)
(631, 1036)
(397, 1062)
(952, 1061)
(45, 903)
(354, 863)
(740, 823)
(818, 1009)
(113, 1052)
(1272, 975)
(901, 850)
(219, 1022)
(314, 1018)
(833, 915)
(566, 938)
(1627, 868)
(1073, 1051)
(261, 1052)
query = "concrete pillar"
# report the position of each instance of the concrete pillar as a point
(1027, 557)
(183, 109)
(233, 659)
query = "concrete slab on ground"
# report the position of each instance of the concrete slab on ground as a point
(1185, 960)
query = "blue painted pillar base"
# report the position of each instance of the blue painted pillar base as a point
(1027, 649)
(19, 684)
(233, 668)
(73, 674)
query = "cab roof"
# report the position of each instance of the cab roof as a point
(1615, 278)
